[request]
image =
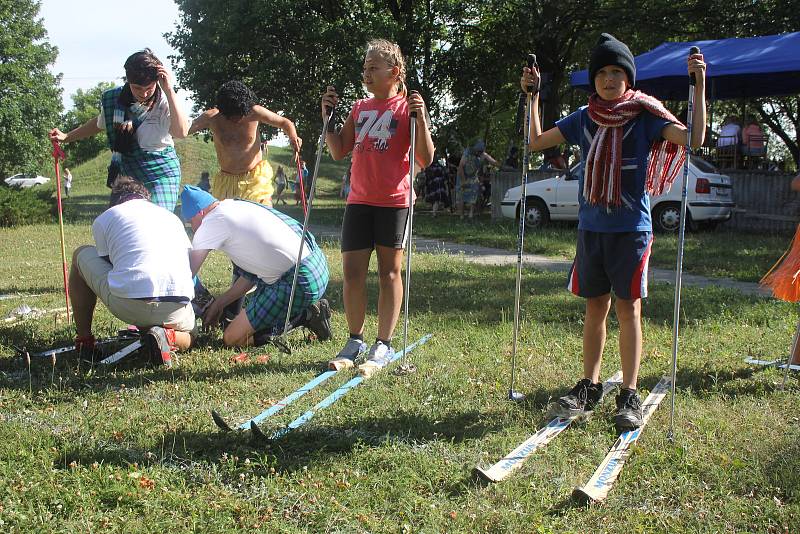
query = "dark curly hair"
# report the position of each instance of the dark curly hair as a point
(127, 188)
(235, 99)
(141, 67)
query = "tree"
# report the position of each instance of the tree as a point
(85, 105)
(30, 100)
(289, 51)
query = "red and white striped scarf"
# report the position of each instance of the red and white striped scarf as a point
(602, 181)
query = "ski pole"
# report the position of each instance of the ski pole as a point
(320, 145)
(681, 234)
(58, 154)
(405, 368)
(512, 394)
(791, 355)
(300, 184)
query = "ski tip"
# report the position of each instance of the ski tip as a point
(220, 422)
(257, 432)
(580, 496)
(482, 475)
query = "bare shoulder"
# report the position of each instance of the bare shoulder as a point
(260, 113)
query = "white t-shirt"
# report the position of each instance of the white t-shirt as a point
(153, 133)
(252, 237)
(148, 248)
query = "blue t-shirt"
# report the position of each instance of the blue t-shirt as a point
(638, 136)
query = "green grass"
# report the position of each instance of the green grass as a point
(133, 449)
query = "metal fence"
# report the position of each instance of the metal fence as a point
(764, 202)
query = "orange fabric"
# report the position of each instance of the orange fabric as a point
(784, 277)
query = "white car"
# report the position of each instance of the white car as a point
(709, 199)
(26, 180)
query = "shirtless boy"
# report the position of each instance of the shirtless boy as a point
(234, 123)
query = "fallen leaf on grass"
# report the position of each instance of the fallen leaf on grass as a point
(264, 358)
(239, 358)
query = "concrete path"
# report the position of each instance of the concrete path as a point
(493, 256)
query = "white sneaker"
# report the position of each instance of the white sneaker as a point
(380, 355)
(347, 356)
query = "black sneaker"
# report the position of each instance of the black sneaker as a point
(629, 411)
(581, 399)
(202, 300)
(318, 319)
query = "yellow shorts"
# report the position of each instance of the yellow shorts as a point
(255, 185)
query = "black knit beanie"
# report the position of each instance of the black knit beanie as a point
(611, 51)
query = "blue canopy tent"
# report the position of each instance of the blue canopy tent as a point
(737, 68)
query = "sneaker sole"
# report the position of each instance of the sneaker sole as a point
(625, 424)
(153, 348)
(325, 318)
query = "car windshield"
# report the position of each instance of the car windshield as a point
(704, 165)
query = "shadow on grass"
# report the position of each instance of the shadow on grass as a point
(298, 448)
(782, 467)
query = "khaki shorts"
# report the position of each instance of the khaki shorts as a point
(142, 313)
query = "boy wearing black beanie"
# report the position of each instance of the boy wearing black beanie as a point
(632, 147)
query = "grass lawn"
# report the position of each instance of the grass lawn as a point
(133, 449)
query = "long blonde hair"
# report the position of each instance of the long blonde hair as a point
(393, 56)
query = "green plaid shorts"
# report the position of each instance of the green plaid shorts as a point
(266, 306)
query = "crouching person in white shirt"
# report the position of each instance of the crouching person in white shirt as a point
(139, 268)
(263, 244)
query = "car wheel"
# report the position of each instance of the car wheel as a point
(537, 214)
(667, 217)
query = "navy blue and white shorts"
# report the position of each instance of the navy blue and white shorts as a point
(607, 261)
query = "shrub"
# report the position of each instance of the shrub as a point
(26, 206)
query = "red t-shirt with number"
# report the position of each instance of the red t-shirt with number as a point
(379, 175)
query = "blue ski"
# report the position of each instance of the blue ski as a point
(277, 407)
(330, 399)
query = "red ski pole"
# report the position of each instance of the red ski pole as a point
(302, 187)
(58, 154)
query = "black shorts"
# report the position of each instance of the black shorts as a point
(366, 226)
(606, 261)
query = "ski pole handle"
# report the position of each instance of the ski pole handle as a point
(329, 123)
(58, 152)
(413, 114)
(532, 65)
(692, 78)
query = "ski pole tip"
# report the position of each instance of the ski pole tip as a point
(515, 396)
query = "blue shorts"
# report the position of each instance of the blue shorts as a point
(606, 261)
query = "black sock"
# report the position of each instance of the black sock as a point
(359, 337)
(386, 342)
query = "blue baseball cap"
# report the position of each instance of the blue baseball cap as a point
(194, 199)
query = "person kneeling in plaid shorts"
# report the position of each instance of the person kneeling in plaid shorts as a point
(263, 244)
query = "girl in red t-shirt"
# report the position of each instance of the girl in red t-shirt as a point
(377, 132)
